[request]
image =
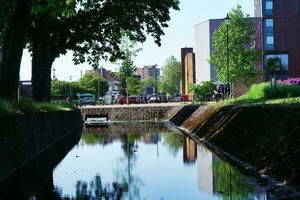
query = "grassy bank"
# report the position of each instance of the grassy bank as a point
(265, 136)
(264, 93)
(27, 106)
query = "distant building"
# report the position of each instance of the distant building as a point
(203, 47)
(25, 89)
(101, 71)
(186, 68)
(148, 71)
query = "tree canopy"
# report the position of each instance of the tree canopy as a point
(170, 78)
(93, 30)
(90, 82)
(242, 52)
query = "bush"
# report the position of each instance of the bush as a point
(266, 91)
(204, 91)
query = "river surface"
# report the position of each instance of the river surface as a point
(130, 161)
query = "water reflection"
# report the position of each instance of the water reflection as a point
(130, 161)
(149, 161)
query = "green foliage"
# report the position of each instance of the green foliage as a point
(264, 91)
(149, 82)
(133, 85)
(62, 88)
(242, 54)
(89, 83)
(127, 69)
(231, 182)
(203, 91)
(170, 78)
(27, 106)
(94, 83)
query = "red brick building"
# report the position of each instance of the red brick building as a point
(281, 33)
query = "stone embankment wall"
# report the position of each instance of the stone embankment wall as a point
(24, 137)
(149, 112)
(266, 137)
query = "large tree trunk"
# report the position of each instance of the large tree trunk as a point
(12, 48)
(42, 60)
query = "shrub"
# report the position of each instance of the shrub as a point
(266, 91)
(204, 91)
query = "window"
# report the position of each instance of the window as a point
(269, 26)
(269, 23)
(268, 7)
(270, 40)
(284, 60)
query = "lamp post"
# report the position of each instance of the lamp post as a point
(70, 87)
(227, 22)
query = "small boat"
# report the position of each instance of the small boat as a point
(97, 120)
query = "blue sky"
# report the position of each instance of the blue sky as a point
(180, 33)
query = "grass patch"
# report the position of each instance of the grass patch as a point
(27, 106)
(264, 93)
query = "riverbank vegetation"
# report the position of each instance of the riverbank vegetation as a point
(27, 106)
(265, 93)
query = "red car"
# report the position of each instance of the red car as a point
(131, 100)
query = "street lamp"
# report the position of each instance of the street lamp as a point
(227, 22)
(70, 87)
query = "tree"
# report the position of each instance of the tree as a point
(94, 31)
(15, 19)
(203, 91)
(170, 78)
(94, 83)
(242, 53)
(127, 69)
(149, 82)
(133, 85)
(62, 88)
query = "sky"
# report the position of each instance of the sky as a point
(179, 34)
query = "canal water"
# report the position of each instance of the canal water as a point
(130, 161)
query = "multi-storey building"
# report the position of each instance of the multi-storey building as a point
(148, 71)
(187, 70)
(203, 47)
(281, 33)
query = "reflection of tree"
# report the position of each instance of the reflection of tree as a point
(96, 190)
(126, 165)
(93, 139)
(230, 183)
(173, 141)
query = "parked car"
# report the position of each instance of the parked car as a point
(178, 99)
(131, 100)
(87, 101)
(153, 98)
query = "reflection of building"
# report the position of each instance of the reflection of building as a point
(205, 170)
(187, 70)
(189, 150)
(148, 71)
(280, 32)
